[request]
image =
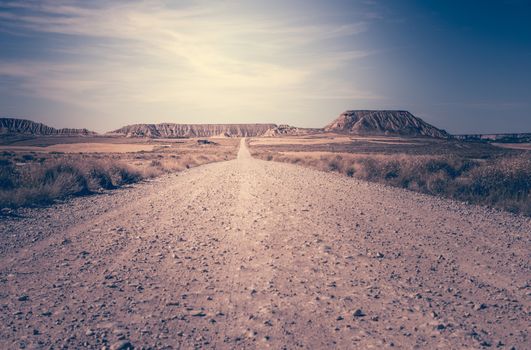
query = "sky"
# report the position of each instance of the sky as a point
(464, 66)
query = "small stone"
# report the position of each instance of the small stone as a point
(359, 313)
(89, 332)
(440, 326)
(23, 297)
(480, 307)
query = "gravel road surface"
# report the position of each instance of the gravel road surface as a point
(254, 254)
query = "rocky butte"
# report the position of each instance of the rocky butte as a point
(173, 130)
(383, 122)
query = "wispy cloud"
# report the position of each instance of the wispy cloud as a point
(157, 52)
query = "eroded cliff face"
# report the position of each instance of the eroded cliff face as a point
(171, 130)
(28, 127)
(284, 129)
(383, 122)
(364, 122)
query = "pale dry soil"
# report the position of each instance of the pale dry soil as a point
(254, 254)
(522, 146)
(92, 147)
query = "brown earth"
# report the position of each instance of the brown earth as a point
(254, 254)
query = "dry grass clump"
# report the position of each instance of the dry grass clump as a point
(43, 183)
(503, 182)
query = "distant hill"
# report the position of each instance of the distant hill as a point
(283, 129)
(383, 122)
(501, 138)
(355, 122)
(173, 130)
(14, 126)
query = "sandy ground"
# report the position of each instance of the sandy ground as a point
(253, 254)
(84, 148)
(522, 146)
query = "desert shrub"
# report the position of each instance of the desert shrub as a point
(368, 169)
(98, 177)
(335, 164)
(43, 183)
(391, 170)
(8, 174)
(64, 180)
(501, 181)
(122, 174)
(156, 163)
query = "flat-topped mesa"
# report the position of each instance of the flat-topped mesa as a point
(383, 122)
(173, 130)
(28, 127)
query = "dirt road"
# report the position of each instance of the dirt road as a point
(255, 254)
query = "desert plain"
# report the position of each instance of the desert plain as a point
(246, 252)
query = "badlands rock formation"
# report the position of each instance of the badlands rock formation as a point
(284, 129)
(28, 127)
(362, 122)
(171, 130)
(383, 122)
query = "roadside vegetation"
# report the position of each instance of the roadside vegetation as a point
(35, 179)
(502, 180)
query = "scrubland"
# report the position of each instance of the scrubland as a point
(471, 172)
(253, 254)
(32, 177)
